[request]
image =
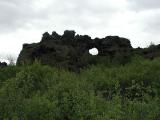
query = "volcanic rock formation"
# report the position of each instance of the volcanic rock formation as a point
(3, 64)
(71, 51)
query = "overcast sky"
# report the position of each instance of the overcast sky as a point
(24, 21)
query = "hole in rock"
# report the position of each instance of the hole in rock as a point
(93, 51)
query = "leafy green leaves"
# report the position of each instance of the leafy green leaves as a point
(103, 92)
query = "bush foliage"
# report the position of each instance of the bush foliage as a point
(103, 92)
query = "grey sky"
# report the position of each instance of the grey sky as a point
(24, 21)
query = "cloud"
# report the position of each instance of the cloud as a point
(23, 21)
(150, 21)
(16, 14)
(144, 4)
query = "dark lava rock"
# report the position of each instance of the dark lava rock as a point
(71, 51)
(153, 51)
(3, 64)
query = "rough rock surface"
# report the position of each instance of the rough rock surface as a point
(153, 51)
(71, 50)
(3, 64)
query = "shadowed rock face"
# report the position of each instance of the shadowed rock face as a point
(3, 64)
(151, 52)
(71, 51)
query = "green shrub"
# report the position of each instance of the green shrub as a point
(106, 91)
(7, 73)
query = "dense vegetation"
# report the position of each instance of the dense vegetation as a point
(107, 91)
